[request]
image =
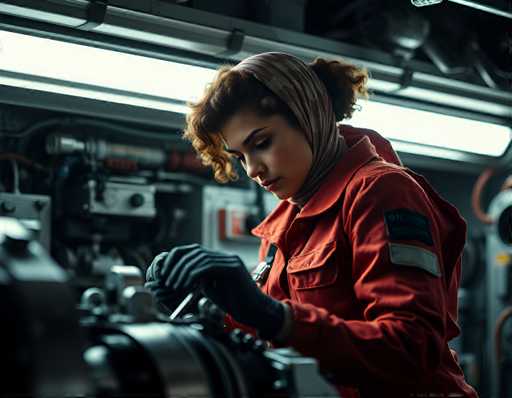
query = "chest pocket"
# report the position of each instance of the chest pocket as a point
(314, 269)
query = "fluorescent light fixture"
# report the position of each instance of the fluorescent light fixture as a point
(86, 68)
(432, 134)
(83, 71)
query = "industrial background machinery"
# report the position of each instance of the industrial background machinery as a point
(93, 200)
(100, 182)
(116, 343)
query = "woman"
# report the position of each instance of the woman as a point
(360, 259)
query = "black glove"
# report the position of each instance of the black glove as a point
(165, 297)
(224, 279)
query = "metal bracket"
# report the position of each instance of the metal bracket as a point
(96, 12)
(234, 43)
(405, 79)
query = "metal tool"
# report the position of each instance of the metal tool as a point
(186, 301)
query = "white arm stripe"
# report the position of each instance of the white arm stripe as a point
(414, 256)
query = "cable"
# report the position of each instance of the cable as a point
(479, 186)
(37, 126)
(507, 184)
(484, 7)
(500, 323)
(15, 176)
(23, 160)
(122, 129)
(73, 121)
(477, 192)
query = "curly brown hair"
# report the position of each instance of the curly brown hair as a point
(234, 90)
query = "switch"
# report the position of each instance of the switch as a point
(137, 200)
(235, 223)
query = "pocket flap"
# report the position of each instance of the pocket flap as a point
(312, 260)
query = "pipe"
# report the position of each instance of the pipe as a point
(484, 7)
(480, 183)
(467, 3)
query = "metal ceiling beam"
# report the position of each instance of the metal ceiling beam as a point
(177, 27)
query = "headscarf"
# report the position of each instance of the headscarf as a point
(298, 86)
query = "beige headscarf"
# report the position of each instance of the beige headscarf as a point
(297, 85)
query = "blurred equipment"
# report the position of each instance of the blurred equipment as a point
(423, 3)
(117, 343)
(111, 194)
(228, 216)
(116, 197)
(499, 284)
(40, 338)
(469, 3)
(34, 211)
(400, 30)
(58, 144)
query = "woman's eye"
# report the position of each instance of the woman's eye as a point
(263, 144)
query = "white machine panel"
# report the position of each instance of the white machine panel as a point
(227, 214)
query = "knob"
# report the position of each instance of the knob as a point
(259, 346)
(236, 336)
(138, 303)
(137, 200)
(248, 340)
(39, 205)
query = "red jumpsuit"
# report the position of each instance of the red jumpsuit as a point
(370, 268)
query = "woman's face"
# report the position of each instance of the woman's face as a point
(273, 153)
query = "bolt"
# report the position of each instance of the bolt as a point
(39, 205)
(7, 207)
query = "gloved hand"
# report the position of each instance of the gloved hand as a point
(224, 279)
(155, 284)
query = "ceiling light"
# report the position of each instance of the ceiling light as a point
(84, 71)
(56, 66)
(434, 130)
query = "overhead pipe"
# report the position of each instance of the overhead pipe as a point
(473, 4)
(484, 7)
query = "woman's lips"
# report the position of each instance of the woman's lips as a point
(271, 184)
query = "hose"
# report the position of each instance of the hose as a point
(477, 192)
(500, 323)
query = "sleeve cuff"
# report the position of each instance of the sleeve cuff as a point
(287, 327)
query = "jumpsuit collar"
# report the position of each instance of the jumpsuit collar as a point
(331, 189)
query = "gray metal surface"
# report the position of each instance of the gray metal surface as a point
(302, 374)
(116, 199)
(89, 107)
(34, 211)
(182, 370)
(49, 343)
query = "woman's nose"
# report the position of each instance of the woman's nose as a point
(254, 168)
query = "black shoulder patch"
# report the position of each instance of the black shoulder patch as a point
(405, 224)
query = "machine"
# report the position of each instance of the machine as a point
(114, 342)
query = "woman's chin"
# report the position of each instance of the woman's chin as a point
(282, 195)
